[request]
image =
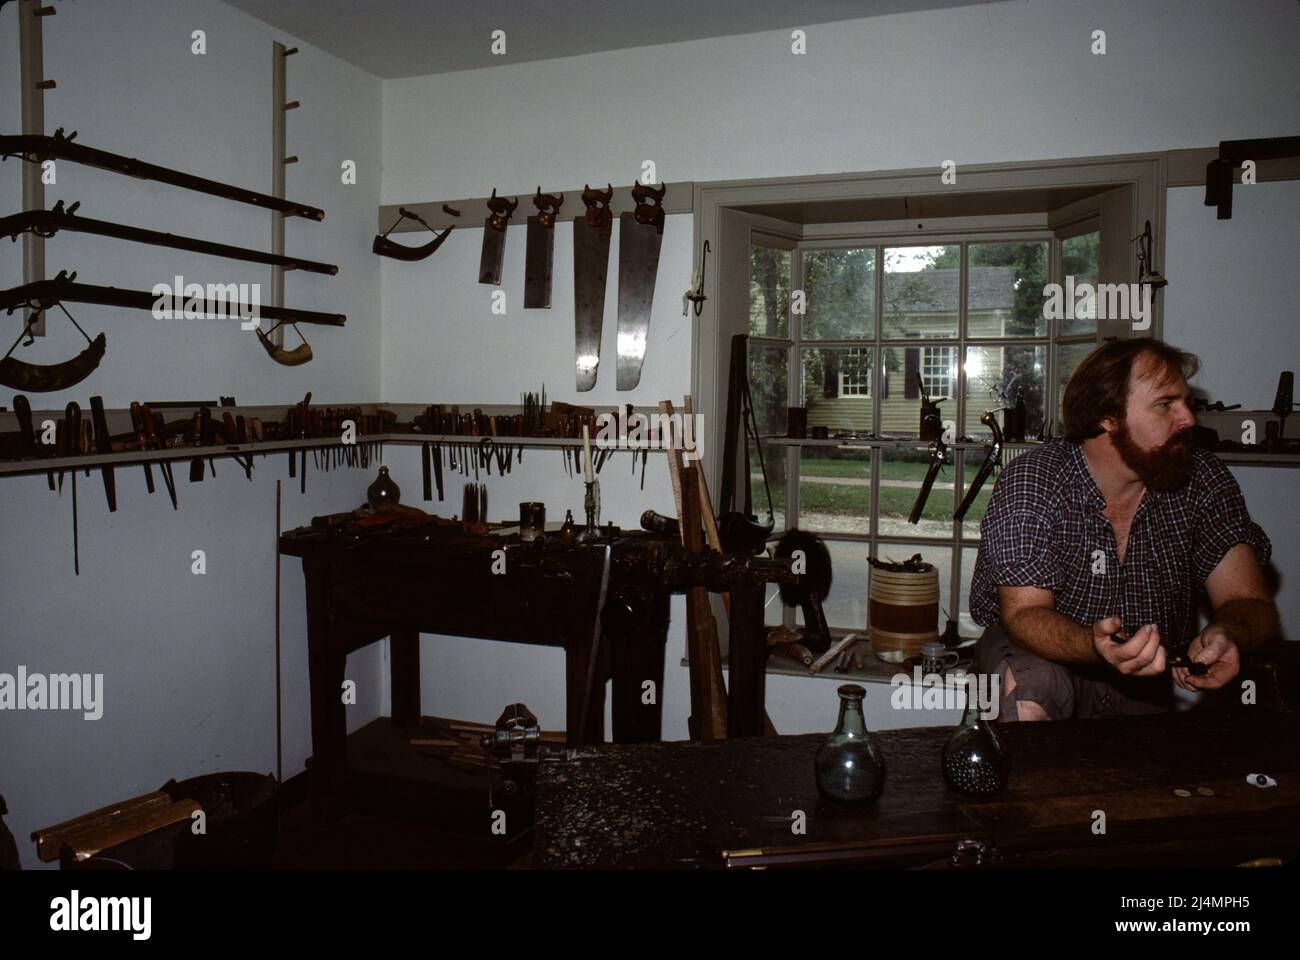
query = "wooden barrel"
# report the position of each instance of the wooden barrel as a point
(902, 612)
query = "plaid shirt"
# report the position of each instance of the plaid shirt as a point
(1045, 527)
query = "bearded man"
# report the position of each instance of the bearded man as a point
(1095, 549)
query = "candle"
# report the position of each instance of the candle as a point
(586, 449)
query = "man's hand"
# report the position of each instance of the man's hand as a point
(1138, 656)
(1214, 647)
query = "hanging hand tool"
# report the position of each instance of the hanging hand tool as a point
(72, 441)
(494, 238)
(27, 432)
(155, 440)
(201, 439)
(640, 236)
(590, 270)
(437, 468)
(104, 444)
(45, 378)
(137, 424)
(991, 460)
(695, 297)
(938, 450)
(426, 470)
(389, 248)
(539, 252)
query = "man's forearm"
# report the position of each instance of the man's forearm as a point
(1251, 622)
(1051, 635)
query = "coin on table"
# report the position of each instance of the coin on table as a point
(1205, 791)
(1180, 792)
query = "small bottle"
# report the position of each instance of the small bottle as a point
(849, 765)
(974, 760)
(568, 532)
(384, 492)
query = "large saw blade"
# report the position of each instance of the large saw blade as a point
(539, 253)
(590, 271)
(638, 263)
(494, 248)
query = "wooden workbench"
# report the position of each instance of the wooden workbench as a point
(439, 579)
(731, 803)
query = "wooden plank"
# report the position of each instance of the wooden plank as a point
(1187, 168)
(676, 805)
(679, 198)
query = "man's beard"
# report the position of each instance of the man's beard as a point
(1168, 467)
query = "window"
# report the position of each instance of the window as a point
(962, 320)
(906, 286)
(855, 377)
(938, 370)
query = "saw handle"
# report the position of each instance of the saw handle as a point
(597, 203)
(502, 209)
(548, 205)
(649, 205)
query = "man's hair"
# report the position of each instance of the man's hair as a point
(1099, 388)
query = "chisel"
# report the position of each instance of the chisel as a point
(72, 442)
(104, 444)
(137, 424)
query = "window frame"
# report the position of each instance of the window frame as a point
(1122, 191)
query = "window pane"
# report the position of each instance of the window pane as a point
(774, 460)
(835, 386)
(1005, 289)
(769, 386)
(900, 397)
(1069, 356)
(1079, 260)
(846, 605)
(995, 377)
(901, 474)
(841, 289)
(921, 291)
(769, 292)
(834, 490)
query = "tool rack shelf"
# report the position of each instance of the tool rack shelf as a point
(14, 468)
(1243, 458)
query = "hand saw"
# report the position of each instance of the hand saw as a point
(640, 235)
(590, 269)
(494, 238)
(540, 251)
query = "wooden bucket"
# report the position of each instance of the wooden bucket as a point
(902, 612)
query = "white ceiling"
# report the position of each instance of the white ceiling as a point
(407, 38)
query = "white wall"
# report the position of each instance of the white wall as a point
(1231, 302)
(188, 661)
(976, 84)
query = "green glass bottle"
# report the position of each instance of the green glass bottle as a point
(849, 765)
(975, 762)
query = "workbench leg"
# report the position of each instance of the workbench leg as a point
(404, 676)
(326, 662)
(638, 658)
(576, 658)
(746, 661)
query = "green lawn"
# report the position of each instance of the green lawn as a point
(894, 501)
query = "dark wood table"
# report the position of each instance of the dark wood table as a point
(731, 803)
(439, 579)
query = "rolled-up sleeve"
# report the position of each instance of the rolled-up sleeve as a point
(1015, 542)
(1222, 521)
